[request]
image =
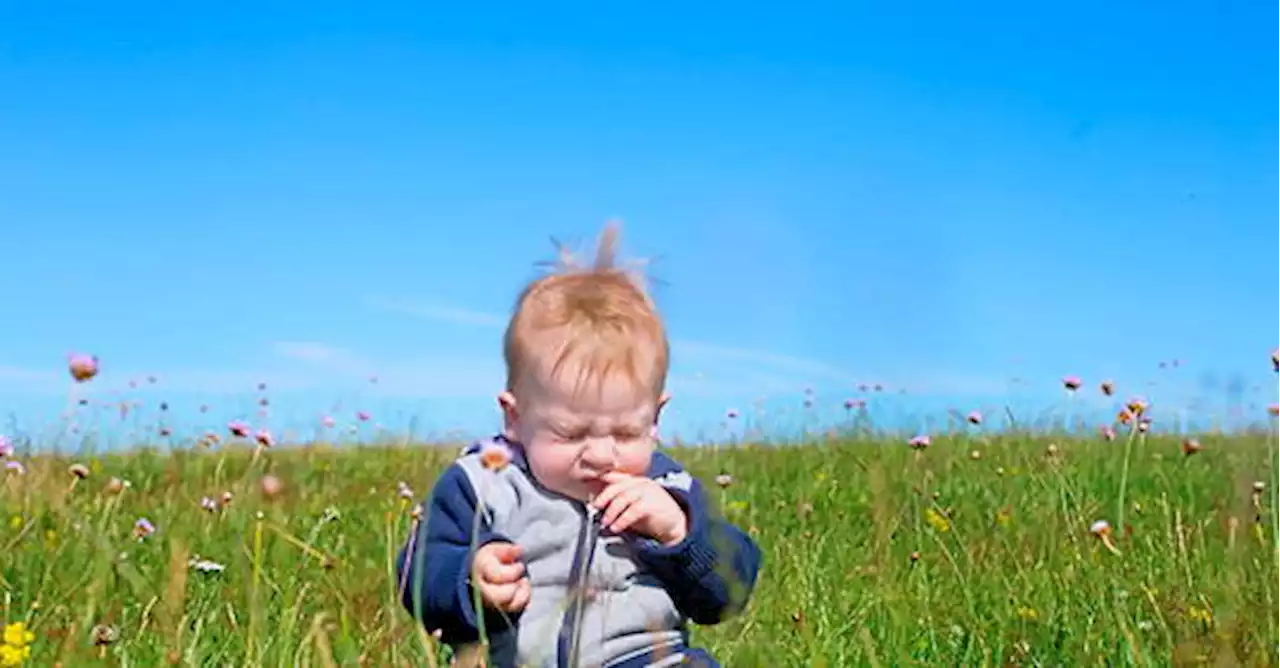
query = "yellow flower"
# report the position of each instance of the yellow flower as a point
(15, 522)
(1201, 615)
(13, 656)
(937, 521)
(16, 634)
(1028, 614)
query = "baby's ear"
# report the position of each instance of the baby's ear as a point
(662, 403)
(510, 412)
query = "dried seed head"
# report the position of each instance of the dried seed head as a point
(103, 635)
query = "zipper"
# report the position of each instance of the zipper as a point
(570, 636)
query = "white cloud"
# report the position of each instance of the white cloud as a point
(324, 356)
(684, 351)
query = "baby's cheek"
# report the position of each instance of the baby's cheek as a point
(636, 462)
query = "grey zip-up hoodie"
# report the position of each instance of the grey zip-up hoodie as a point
(616, 601)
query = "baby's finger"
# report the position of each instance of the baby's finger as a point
(620, 503)
(499, 595)
(617, 486)
(507, 553)
(524, 590)
(496, 572)
(634, 513)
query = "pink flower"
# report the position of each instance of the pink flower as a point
(14, 467)
(143, 528)
(1072, 383)
(327, 421)
(264, 438)
(238, 428)
(974, 417)
(1107, 432)
(6, 447)
(919, 442)
(362, 416)
(82, 367)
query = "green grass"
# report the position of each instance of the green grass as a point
(855, 573)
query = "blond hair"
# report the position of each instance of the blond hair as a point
(602, 316)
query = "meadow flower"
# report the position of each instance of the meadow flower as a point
(724, 480)
(495, 456)
(164, 432)
(6, 447)
(404, 491)
(1071, 383)
(264, 402)
(975, 455)
(82, 367)
(1108, 388)
(362, 416)
(919, 442)
(731, 414)
(226, 498)
(14, 467)
(1144, 424)
(264, 438)
(1051, 450)
(115, 486)
(103, 635)
(327, 421)
(974, 417)
(206, 565)
(271, 486)
(1102, 529)
(238, 428)
(208, 504)
(1273, 410)
(1190, 446)
(143, 528)
(16, 647)
(1259, 486)
(1137, 406)
(78, 471)
(937, 520)
(17, 634)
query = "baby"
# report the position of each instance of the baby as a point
(581, 544)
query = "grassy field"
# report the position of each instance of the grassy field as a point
(974, 551)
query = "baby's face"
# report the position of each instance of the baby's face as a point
(571, 439)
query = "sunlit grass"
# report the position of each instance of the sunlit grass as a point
(875, 554)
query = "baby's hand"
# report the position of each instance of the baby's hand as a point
(498, 574)
(641, 505)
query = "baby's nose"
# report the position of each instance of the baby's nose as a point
(599, 454)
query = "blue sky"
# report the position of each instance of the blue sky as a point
(934, 196)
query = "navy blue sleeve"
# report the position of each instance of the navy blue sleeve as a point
(711, 573)
(434, 567)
